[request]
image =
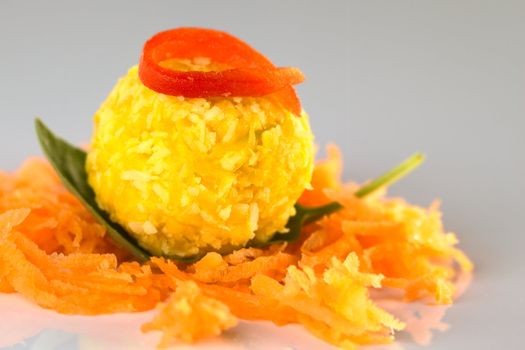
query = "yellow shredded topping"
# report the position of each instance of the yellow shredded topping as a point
(186, 176)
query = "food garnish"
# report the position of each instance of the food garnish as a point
(54, 252)
(189, 315)
(245, 72)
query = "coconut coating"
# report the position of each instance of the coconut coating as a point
(187, 176)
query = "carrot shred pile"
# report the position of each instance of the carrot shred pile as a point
(189, 315)
(56, 222)
(53, 252)
(405, 243)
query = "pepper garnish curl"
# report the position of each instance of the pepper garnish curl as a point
(249, 73)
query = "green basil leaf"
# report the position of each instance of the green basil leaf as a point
(70, 161)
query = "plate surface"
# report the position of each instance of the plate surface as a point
(33, 328)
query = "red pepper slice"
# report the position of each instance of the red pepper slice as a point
(249, 74)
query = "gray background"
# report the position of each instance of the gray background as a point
(385, 79)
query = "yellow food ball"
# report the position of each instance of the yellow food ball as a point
(191, 175)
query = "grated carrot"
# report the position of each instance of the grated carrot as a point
(189, 315)
(54, 252)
